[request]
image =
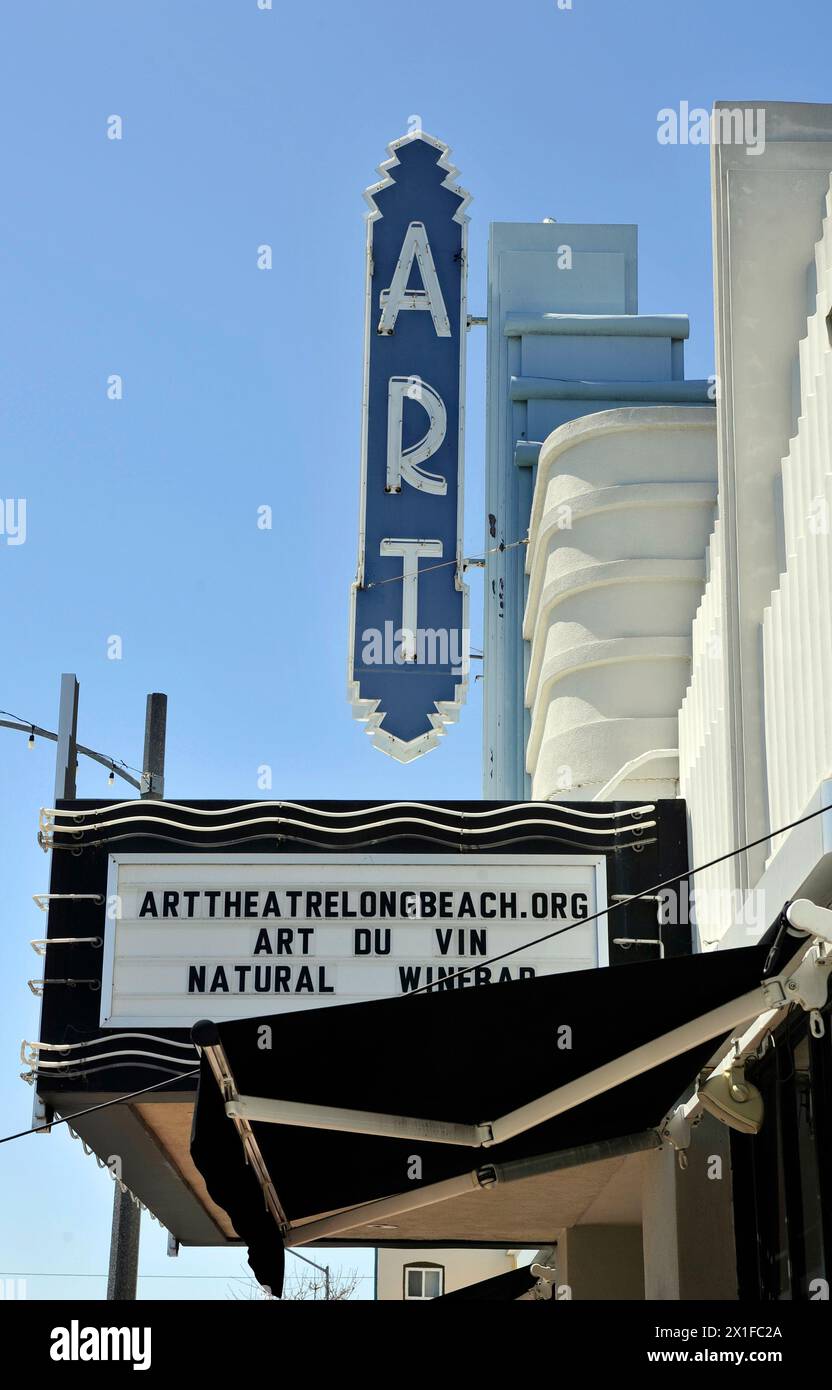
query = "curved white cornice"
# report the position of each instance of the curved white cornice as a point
(623, 500)
(590, 749)
(628, 419)
(597, 574)
(609, 651)
(592, 501)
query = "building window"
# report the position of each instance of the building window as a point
(423, 1281)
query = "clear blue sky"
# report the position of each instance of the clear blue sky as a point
(243, 387)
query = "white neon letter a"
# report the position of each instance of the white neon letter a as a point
(399, 297)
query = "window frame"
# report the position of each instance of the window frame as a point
(423, 1267)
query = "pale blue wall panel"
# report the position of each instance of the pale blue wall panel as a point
(541, 373)
(596, 359)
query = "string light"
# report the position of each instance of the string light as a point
(8, 720)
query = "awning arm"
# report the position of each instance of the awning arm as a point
(264, 1110)
(206, 1037)
(622, 1069)
(804, 980)
(371, 1212)
(479, 1180)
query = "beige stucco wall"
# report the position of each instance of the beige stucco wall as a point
(461, 1267)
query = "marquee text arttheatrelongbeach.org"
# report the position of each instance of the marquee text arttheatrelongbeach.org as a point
(307, 975)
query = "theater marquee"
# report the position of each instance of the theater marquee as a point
(231, 936)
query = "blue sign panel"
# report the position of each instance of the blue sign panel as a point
(408, 661)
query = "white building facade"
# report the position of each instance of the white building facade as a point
(665, 630)
(756, 723)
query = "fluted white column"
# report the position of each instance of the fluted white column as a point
(797, 625)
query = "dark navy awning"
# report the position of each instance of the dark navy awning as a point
(317, 1125)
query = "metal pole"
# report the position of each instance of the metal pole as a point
(66, 758)
(153, 766)
(66, 763)
(124, 1248)
(124, 1238)
(324, 1269)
